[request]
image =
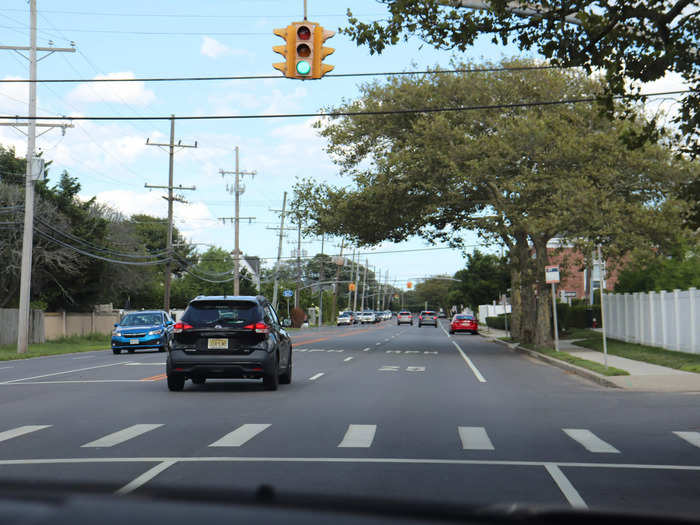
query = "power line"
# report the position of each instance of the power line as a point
(183, 15)
(267, 77)
(447, 109)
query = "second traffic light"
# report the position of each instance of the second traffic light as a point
(303, 50)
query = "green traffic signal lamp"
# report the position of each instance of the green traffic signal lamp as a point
(303, 67)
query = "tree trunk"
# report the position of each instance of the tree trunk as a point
(522, 287)
(543, 324)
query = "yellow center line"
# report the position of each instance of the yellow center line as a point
(158, 377)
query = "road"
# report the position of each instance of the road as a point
(382, 411)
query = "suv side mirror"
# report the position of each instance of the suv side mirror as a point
(116, 324)
(286, 322)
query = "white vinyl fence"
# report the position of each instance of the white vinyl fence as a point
(669, 320)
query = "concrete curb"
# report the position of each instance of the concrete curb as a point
(579, 371)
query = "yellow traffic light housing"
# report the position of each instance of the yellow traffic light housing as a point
(303, 50)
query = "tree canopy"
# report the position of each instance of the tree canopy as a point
(627, 39)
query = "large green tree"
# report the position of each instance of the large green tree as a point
(483, 279)
(627, 39)
(518, 176)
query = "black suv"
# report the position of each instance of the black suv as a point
(237, 337)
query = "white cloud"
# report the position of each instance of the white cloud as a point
(134, 93)
(212, 48)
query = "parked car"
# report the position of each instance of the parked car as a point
(232, 337)
(404, 317)
(144, 330)
(344, 318)
(367, 317)
(464, 323)
(427, 317)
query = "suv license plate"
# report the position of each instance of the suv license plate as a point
(217, 344)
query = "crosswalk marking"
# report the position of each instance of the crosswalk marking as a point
(475, 438)
(691, 437)
(121, 436)
(590, 441)
(21, 431)
(358, 436)
(240, 436)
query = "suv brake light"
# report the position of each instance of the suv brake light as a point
(180, 327)
(259, 328)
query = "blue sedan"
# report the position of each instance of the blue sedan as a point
(142, 330)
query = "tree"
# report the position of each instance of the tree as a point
(434, 291)
(648, 271)
(483, 279)
(628, 39)
(518, 176)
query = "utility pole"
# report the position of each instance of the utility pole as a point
(296, 295)
(237, 190)
(321, 277)
(170, 198)
(35, 171)
(283, 212)
(357, 282)
(352, 273)
(337, 276)
(364, 285)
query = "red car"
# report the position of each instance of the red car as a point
(464, 323)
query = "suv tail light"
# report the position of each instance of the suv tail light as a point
(180, 327)
(434, 317)
(259, 328)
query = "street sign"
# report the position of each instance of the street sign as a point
(551, 274)
(569, 294)
(288, 293)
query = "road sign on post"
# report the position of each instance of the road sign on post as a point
(288, 293)
(551, 276)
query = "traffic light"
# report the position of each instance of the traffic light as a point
(409, 285)
(303, 50)
(351, 287)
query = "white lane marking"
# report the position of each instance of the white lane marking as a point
(365, 349)
(590, 441)
(569, 491)
(347, 359)
(412, 352)
(393, 351)
(21, 431)
(377, 344)
(430, 352)
(415, 369)
(336, 351)
(316, 376)
(386, 340)
(240, 436)
(6, 367)
(84, 357)
(387, 368)
(145, 477)
(474, 438)
(59, 373)
(145, 364)
(358, 436)
(406, 461)
(316, 350)
(446, 332)
(116, 438)
(470, 364)
(691, 437)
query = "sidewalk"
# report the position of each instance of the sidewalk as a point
(643, 376)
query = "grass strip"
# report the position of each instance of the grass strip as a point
(65, 345)
(648, 354)
(584, 363)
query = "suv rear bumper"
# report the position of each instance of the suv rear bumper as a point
(191, 364)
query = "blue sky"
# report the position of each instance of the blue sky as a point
(177, 38)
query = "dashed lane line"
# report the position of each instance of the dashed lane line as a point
(347, 359)
(121, 436)
(240, 436)
(471, 365)
(365, 349)
(316, 376)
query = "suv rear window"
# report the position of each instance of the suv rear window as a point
(225, 313)
(464, 317)
(428, 312)
(404, 313)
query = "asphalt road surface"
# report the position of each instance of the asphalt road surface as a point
(381, 411)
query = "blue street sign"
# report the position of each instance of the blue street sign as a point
(288, 293)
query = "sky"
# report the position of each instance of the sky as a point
(177, 38)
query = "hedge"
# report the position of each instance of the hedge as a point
(497, 322)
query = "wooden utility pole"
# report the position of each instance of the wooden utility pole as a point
(170, 198)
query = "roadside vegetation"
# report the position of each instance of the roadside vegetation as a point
(65, 345)
(584, 363)
(654, 355)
